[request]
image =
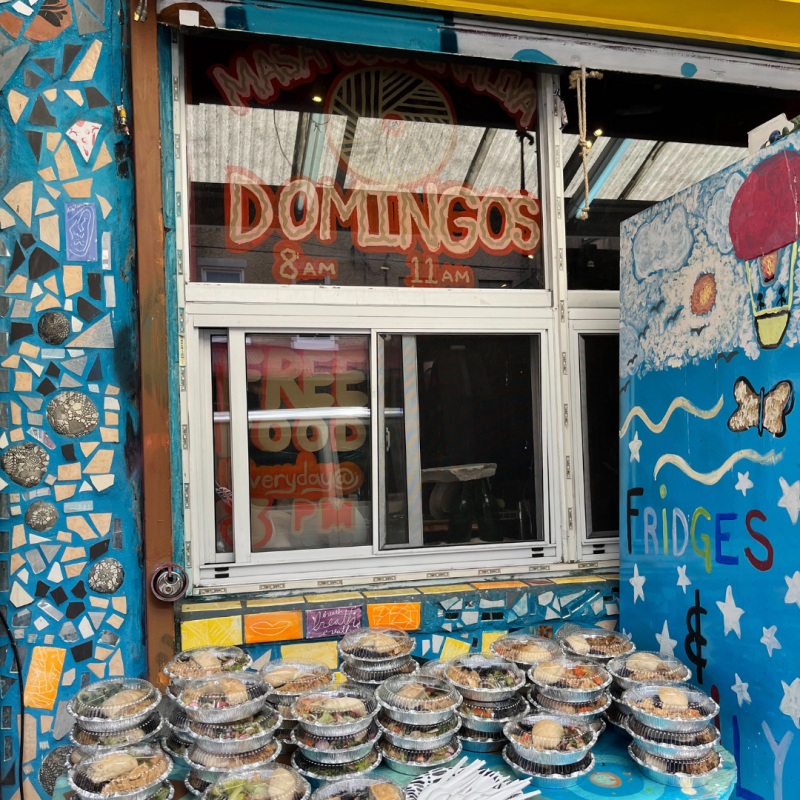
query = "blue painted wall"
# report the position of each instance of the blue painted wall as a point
(72, 592)
(710, 571)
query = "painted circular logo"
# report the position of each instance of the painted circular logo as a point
(608, 780)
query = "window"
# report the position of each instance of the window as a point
(361, 402)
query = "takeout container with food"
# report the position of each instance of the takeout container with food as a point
(415, 762)
(676, 772)
(550, 738)
(418, 700)
(671, 707)
(144, 732)
(222, 698)
(672, 744)
(114, 704)
(205, 661)
(335, 749)
(338, 711)
(209, 766)
(492, 716)
(375, 674)
(384, 646)
(643, 667)
(434, 668)
(418, 737)
(548, 776)
(366, 788)
(616, 692)
(195, 784)
(164, 791)
(569, 679)
(617, 718)
(481, 741)
(127, 773)
(587, 710)
(272, 782)
(486, 678)
(525, 650)
(175, 748)
(593, 644)
(320, 773)
(293, 677)
(241, 736)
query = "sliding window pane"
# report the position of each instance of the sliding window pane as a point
(223, 487)
(470, 423)
(599, 357)
(309, 441)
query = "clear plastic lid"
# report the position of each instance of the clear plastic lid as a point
(365, 788)
(205, 661)
(547, 733)
(282, 704)
(318, 741)
(165, 791)
(574, 709)
(221, 692)
(707, 736)
(418, 693)
(374, 676)
(142, 732)
(297, 676)
(484, 673)
(570, 675)
(498, 710)
(675, 766)
(593, 642)
(643, 666)
(257, 726)
(582, 767)
(525, 648)
(178, 720)
(677, 703)
(435, 668)
(330, 771)
(175, 746)
(421, 757)
(200, 759)
(334, 707)
(275, 782)
(121, 772)
(114, 700)
(376, 644)
(617, 716)
(420, 732)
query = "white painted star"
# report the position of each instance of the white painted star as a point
(731, 613)
(667, 645)
(683, 581)
(793, 593)
(790, 499)
(769, 639)
(744, 483)
(635, 446)
(637, 581)
(741, 690)
(790, 705)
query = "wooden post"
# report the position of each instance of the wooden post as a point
(153, 352)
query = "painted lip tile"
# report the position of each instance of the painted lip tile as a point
(273, 626)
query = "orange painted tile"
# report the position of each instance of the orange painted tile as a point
(400, 616)
(273, 626)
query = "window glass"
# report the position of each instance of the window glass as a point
(316, 167)
(309, 441)
(651, 137)
(223, 486)
(462, 450)
(599, 357)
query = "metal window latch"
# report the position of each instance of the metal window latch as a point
(566, 415)
(186, 495)
(185, 437)
(563, 362)
(561, 306)
(569, 469)
(569, 517)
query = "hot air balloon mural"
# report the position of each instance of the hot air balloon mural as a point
(764, 226)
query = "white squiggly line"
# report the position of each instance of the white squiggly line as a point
(710, 478)
(678, 402)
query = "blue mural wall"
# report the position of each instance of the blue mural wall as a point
(70, 573)
(710, 498)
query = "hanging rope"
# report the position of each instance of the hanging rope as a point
(577, 80)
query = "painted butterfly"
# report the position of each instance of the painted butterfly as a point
(759, 410)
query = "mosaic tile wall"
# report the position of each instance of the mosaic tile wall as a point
(445, 620)
(69, 538)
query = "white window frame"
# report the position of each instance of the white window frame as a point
(373, 310)
(590, 312)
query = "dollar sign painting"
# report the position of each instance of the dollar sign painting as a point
(695, 641)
